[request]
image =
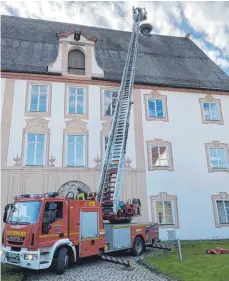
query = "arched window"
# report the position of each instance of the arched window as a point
(76, 62)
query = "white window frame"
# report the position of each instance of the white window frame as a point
(66, 151)
(163, 108)
(217, 159)
(224, 200)
(109, 90)
(104, 142)
(26, 149)
(84, 102)
(210, 110)
(173, 213)
(167, 155)
(39, 93)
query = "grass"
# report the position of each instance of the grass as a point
(196, 265)
(11, 273)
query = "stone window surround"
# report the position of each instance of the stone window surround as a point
(164, 196)
(49, 99)
(102, 89)
(154, 94)
(85, 48)
(209, 98)
(159, 142)
(216, 144)
(75, 127)
(221, 196)
(36, 125)
(86, 111)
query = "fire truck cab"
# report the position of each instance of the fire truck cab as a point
(45, 230)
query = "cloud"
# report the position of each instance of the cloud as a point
(207, 21)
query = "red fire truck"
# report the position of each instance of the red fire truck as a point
(58, 228)
(45, 230)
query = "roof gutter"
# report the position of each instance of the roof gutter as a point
(164, 85)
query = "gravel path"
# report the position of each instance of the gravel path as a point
(96, 270)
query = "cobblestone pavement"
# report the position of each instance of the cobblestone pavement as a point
(94, 269)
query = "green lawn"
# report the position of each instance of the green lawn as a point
(11, 273)
(196, 265)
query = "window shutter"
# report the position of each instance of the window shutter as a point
(76, 62)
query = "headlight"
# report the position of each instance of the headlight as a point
(1, 251)
(30, 257)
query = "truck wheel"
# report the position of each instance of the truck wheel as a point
(138, 246)
(62, 260)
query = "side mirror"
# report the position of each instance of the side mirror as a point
(6, 212)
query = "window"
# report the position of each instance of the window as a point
(75, 151)
(76, 62)
(159, 155)
(38, 98)
(211, 111)
(155, 108)
(59, 209)
(218, 158)
(164, 212)
(223, 211)
(109, 102)
(35, 150)
(76, 100)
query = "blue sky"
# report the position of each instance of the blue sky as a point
(208, 22)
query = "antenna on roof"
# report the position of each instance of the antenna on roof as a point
(188, 35)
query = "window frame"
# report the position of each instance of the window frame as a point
(46, 113)
(160, 143)
(26, 149)
(164, 196)
(66, 150)
(155, 95)
(66, 105)
(77, 68)
(163, 108)
(172, 209)
(209, 99)
(216, 145)
(102, 99)
(224, 207)
(222, 196)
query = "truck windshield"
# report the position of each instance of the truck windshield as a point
(24, 212)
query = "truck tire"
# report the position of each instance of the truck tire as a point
(138, 246)
(62, 260)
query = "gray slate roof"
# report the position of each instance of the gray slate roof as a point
(30, 45)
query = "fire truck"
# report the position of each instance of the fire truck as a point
(59, 228)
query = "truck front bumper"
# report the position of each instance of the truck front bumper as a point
(24, 258)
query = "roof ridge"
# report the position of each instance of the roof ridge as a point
(87, 26)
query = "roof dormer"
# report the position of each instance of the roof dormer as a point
(76, 56)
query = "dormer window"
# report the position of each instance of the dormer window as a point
(76, 62)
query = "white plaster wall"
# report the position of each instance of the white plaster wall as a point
(56, 123)
(3, 82)
(190, 181)
(94, 124)
(95, 67)
(56, 66)
(17, 121)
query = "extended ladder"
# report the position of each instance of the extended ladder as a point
(108, 193)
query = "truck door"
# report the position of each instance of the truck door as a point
(89, 232)
(57, 229)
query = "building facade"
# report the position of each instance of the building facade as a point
(56, 115)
